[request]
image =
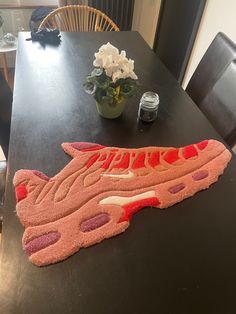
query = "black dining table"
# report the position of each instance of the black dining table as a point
(178, 260)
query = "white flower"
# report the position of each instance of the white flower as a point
(115, 64)
(105, 55)
(117, 75)
(123, 54)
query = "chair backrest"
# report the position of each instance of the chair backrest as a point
(219, 105)
(79, 18)
(5, 114)
(216, 59)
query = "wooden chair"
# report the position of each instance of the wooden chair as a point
(79, 18)
(218, 56)
(219, 105)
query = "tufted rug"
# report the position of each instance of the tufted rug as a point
(95, 196)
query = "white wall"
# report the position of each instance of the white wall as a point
(15, 20)
(2, 156)
(28, 2)
(219, 16)
(145, 18)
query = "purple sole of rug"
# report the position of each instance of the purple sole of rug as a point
(41, 242)
(94, 222)
(202, 174)
(176, 188)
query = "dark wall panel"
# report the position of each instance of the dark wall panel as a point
(120, 11)
(176, 32)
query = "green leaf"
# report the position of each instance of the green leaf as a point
(90, 88)
(111, 92)
(105, 91)
(97, 72)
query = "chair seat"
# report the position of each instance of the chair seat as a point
(212, 86)
(219, 105)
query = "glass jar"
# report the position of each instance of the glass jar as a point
(148, 107)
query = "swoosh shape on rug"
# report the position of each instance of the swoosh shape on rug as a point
(128, 175)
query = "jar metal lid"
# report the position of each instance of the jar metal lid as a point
(149, 101)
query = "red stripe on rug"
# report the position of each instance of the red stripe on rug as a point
(21, 192)
(189, 151)
(124, 163)
(172, 156)
(108, 161)
(92, 160)
(154, 159)
(139, 161)
(202, 145)
(132, 208)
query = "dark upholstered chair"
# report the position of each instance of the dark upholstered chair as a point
(216, 59)
(3, 168)
(219, 105)
(5, 123)
(5, 114)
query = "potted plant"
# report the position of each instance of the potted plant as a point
(112, 81)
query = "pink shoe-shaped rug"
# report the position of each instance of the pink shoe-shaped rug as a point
(96, 194)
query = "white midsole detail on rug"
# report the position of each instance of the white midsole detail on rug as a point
(128, 175)
(122, 200)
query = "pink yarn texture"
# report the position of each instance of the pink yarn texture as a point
(95, 196)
